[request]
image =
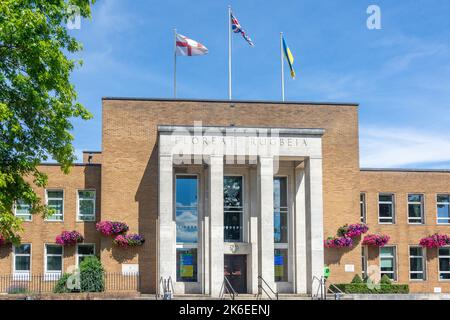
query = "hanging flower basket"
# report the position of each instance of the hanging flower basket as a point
(129, 240)
(435, 241)
(340, 242)
(111, 228)
(69, 238)
(353, 230)
(376, 240)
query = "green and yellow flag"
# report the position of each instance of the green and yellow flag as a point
(289, 58)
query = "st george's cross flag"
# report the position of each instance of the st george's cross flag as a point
(236, 26)
(189, 47)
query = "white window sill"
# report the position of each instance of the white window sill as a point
(21, 277)
(50, 276)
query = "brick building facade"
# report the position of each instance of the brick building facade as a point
(311, 183)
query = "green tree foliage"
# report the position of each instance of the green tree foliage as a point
(92, 275)
(357, 279)
(37, 99)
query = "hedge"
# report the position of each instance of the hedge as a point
(382, 288)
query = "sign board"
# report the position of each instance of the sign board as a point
(130, 269)
(349, 268)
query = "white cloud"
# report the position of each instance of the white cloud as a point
(383, 147)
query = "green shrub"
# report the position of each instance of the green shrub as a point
(92, 275)
(61, 285)
(357, 279)
(381, 289)
(385, 280)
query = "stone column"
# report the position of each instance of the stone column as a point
(300, 233)
(265, 204)
(167, 227)
(216, 224)
(314, 220)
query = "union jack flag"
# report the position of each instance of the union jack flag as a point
(236, 27)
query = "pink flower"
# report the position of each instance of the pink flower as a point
(435, 241)
(111, 228)
(69, 238)
(353, 230)
(341, 242)
(129, 240)
(375, 240)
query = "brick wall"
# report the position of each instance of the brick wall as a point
(403, 234)
(130, 164)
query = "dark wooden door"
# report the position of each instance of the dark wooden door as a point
(235, 269)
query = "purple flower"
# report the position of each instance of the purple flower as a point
(340, 242)
(111, 228)
(376, 240)
(2, 240)
(435, 241)
(129, 240)
(69, 238)
(353, 230)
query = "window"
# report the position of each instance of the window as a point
(186, 198)
(443, 209)
(362, 207)
(416, 263)
(415, 209)
(22, 261)
(386, 210)
(187, 209)
(364, 261)
(387, 262)
(83, 251)
(281, 212)
(86, 205)
(281, 265)
(186, 265)
(233, 209)
(55, 202)
(444, 263)
(22, 210)
(53, 260)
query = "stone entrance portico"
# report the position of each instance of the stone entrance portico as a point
(257, 155)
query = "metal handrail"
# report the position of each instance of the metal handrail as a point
(320, 287)
(167, 285)
(335, 290)
(275, 293)
(226, 285)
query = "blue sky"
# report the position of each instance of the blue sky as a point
(400, 75)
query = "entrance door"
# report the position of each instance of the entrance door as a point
(235, 269)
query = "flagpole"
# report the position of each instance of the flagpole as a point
(175, 64)
(282, 66)
(229, 53)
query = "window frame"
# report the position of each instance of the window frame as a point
(392, 202)
(242, 218)
(284, 245)
(395, 259)
(439, 264)
(30, 219)
(437, 210)
(363, 206)
(78, 205)
(22, 275)
(53, 275)
(77, 255)
(422, 208)
(424, 264)
(364, 261)
(63, 204)
(188, 245)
